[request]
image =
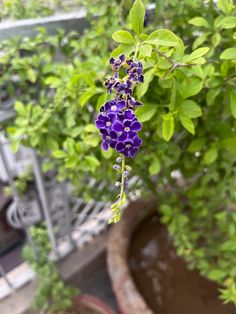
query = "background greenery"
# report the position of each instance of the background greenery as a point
(188, 115)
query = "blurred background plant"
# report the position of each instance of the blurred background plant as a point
(52, 294)
(188, 116)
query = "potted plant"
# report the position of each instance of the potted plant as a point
(188, 120)
(52, 294)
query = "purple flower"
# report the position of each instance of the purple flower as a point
(123, 87)
(132, 103)
(116, 63)
(110, 83)
(128, 128)
(109, 139)
(105, 122)
(129, 147)
(113, 106)
(127, 114)
(135, 71)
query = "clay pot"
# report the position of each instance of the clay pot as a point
(90, 302)
(129, 299)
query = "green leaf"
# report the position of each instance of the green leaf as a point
(20, 108)
(196, 145)
(200, 40)
(155, 167)
(146, 112)
(187, 124)
(59, 154)
(168, 127)
(91, 163)
(227, 22)
(210, 155)
(146, 50)
(32, 76)
(190, 87)
(229, 144)
(137, 14)
(216, 274)
(228, 54)
(197, 54)
(53, 81)
(215, 39)
(199, 21)
(190, 109)
(123, 37)
(142, 88)
(163, 37)
(233, 103)
(84, 98)
(211, 95)
(122, 48)
(225, 6)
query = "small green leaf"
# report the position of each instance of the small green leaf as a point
(59, 154)
(229, 144)
(211, 95)
(155, 167)
(191, 87)
(142, 88)
(228, 54)
(163, 37)
(20, 108)
(210, 155)
(53, 81)
(233, 103)
(225, 6)
(137, 14)
(216, 274)
(199, 21)
(227, 22)
(84, 98)
(123, 37)
(190, 109)
(146, 112)
(32, 76)
(197, 54)
(200, 40)
(168, 127)
(122, 48)
(146, 50)
(196, 145)
(187, 124)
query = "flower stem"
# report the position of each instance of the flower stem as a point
(122, 188)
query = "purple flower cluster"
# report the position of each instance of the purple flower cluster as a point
(117, 122)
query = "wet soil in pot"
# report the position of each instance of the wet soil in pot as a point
(163, 278)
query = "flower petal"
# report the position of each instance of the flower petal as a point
(120, 146)
(123, 137)
(136, 126)
(120, 104)
(117, 126)
(105, 145)
(137, 141)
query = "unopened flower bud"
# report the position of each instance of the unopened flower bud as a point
(118, 159)
(125, 174)
(117, 184)
(116, 167)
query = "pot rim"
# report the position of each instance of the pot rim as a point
(93, 302)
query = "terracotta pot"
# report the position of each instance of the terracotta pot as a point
(129, 299)
(92, 303)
